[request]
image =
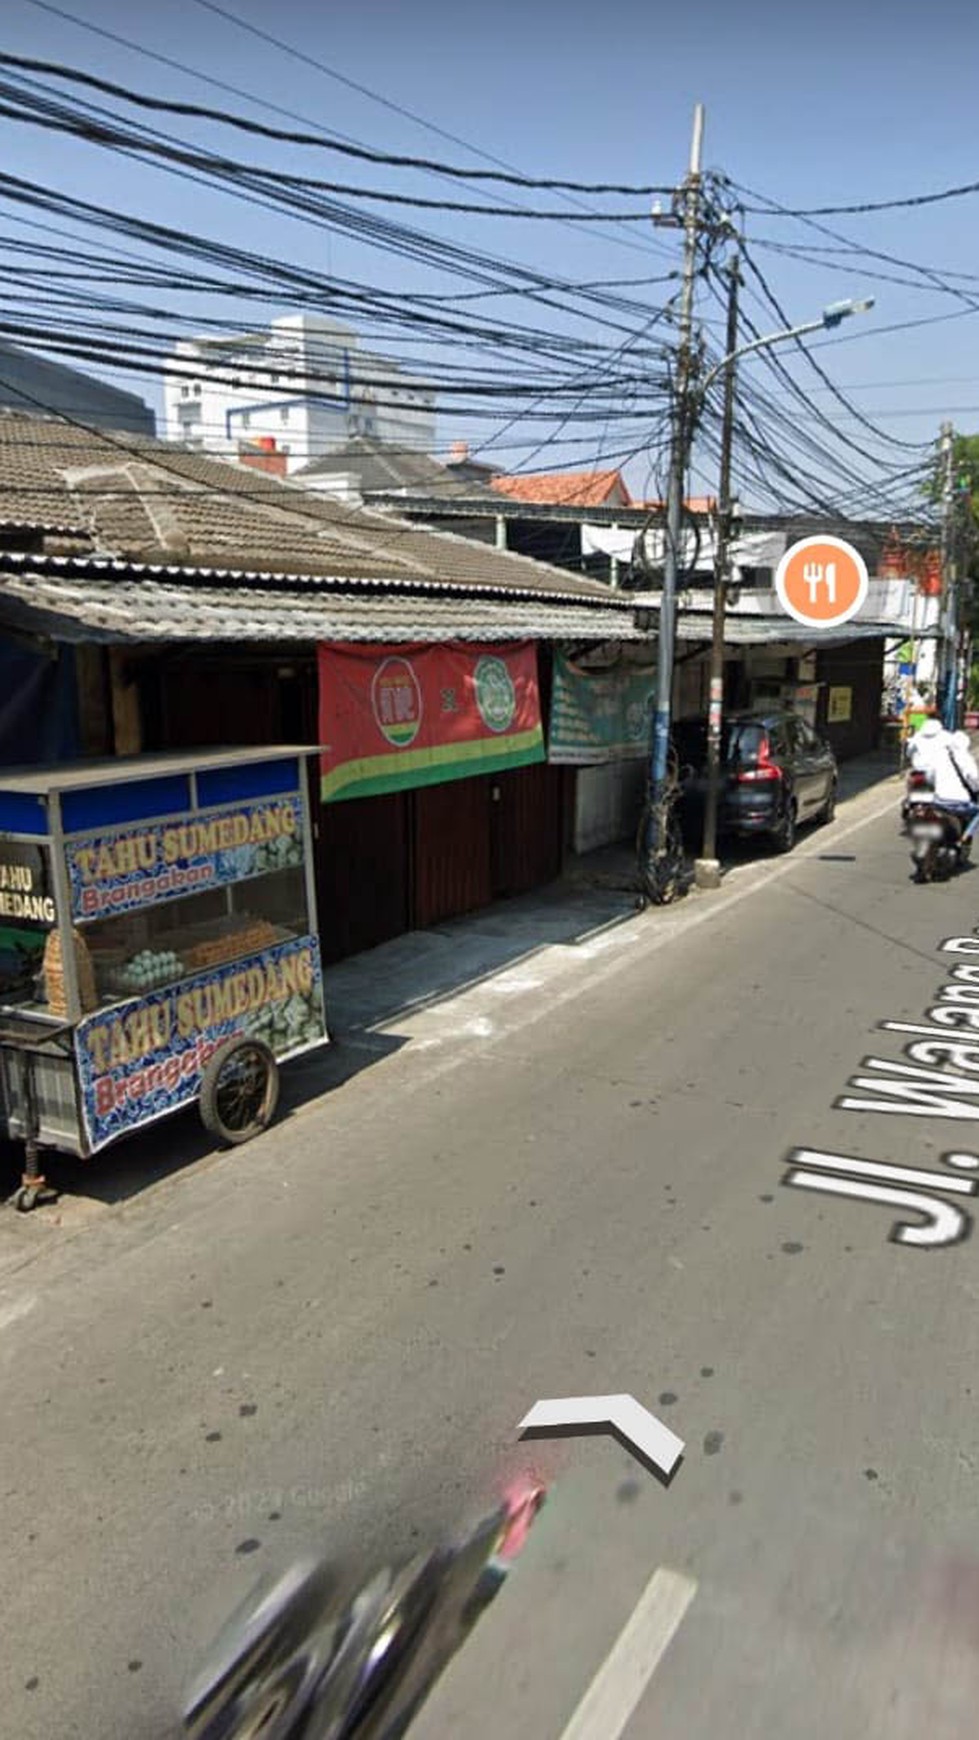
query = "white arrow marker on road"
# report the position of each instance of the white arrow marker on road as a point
(644, 1435)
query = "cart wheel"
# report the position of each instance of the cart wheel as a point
(240, 1091)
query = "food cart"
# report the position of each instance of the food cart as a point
(158, 945)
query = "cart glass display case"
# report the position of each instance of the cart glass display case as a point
(151, 910)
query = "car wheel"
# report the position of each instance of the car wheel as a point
(830, 811)
(786, 830)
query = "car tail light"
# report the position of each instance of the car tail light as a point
(766, 769)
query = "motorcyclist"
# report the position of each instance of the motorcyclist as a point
(966, 767)
(946, 759)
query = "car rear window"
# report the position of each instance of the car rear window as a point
(740, 741)
(745, 743)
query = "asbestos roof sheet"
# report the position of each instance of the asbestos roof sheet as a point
(381, 465)
(162, 610)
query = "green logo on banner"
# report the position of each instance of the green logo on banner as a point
(496, 696)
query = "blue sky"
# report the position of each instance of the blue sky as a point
(827, 105)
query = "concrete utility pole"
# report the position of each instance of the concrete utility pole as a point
(707, 869)
(661, 873)
(948, 678)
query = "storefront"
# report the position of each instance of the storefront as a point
(599, 724)
(837, 689)
(403, 844)
(436, 794)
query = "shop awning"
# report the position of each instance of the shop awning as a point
(777, 631)
(115, 610)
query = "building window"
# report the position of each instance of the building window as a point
(284, 414)
(246, 419)
(197, 389)
(185, 392)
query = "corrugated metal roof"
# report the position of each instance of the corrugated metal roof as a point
(145, 611)
(780, 630)
(188, 574)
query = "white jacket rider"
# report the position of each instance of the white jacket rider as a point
(947, 758)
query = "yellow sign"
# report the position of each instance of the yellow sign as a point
(839, 709)
(188, 842)
(155, 1026)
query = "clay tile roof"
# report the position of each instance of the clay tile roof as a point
(566, 488)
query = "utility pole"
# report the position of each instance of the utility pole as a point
(661, 872)
(947, 692)
(707, 869)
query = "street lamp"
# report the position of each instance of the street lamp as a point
(707, 870)
(831, 316)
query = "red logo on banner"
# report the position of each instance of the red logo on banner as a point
(392, 718)
(397, 701)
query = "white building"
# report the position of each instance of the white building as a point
(303, 384)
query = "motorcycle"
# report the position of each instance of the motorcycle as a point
(941, 840)
(320, 1653)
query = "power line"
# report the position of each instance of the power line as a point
(905, 203)
(263, 103)
(407, 243)
(861, 250)
(841, 398)
(363, 153)
(43, 112)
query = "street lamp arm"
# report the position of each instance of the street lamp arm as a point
(758, 344)
(707, 870)
(830, 317)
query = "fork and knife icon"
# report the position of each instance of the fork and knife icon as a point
(816, 574)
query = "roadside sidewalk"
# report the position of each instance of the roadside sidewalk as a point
(509, 942)
(445, 994)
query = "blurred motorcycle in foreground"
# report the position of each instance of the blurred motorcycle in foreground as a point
(309, 1656)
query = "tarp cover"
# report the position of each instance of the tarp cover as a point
(38, 706)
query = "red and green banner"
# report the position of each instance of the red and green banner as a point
(392, 717)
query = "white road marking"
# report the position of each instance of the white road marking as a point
(624, 1414)
(625, 1673)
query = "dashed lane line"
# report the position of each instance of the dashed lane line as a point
(618, 1686)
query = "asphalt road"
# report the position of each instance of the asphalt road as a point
(570, 1186)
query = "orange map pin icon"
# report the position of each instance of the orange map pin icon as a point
(822, 582)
